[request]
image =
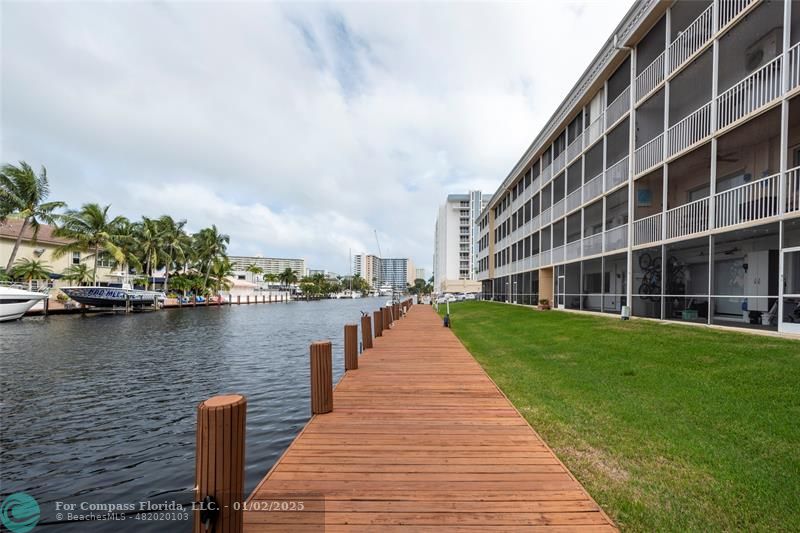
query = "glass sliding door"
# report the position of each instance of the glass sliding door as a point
(790, 309)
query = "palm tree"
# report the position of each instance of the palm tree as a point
(125, 238)
(287, 277)
(221, 268)
(149, 236)
(175, 244)
(79, 274)
(23, 194)
(91, 230)
(31, 270)
(209, 246)
(255, 270)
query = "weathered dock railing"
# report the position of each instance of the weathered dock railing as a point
(219, 456)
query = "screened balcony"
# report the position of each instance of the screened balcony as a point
(688, 186)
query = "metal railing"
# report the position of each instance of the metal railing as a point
(558, 254)
(689, 130)
(794, 66)
(593, 244)
(617, 173)
(687, 219)
(575, 147)
(547, 173)
(593, 188)
(729, 9)
(753, 92)
(573, 250)
(748, 202)
(647, 229)
(616, 238)
(692, 39)
(649, 154)
(544, 258)
(545, 216)
(558, 209)
(559, 162)
(595, 129)
(617, 109)
(574, 200)
(793, 190)
(650, 77)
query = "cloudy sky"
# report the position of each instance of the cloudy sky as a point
(297, 128)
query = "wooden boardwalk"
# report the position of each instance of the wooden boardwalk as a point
(421, 439)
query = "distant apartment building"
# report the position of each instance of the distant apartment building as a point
(420, 274)
(668, 180)
(456, 238)
(384, 271)
(270, 265)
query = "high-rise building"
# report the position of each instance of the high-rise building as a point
(456, 237)
(270, 265)
(379, 272)
(368, 267)
(420, 274)
(668, 180)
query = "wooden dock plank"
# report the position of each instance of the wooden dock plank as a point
(421, 439)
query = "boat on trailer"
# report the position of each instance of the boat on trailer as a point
(16, 300)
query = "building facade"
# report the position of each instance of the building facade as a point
(420, 274)
(270, 265)
(378, 271)
(668, 180)
(367, 266)
(456, 236)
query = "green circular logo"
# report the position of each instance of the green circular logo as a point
(19, 513)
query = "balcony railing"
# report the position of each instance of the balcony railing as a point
(573, 250)
(617, 109)
(617, 173)
(593, 188)
(558, 254)
(688, 219)
(748, 202)
(753, 92)
(558, 209)
(616, 238)
(692, 129)
(593, 244)
(793, 190)
(692, 39)
(649, 154)
(647, 229)
(535, 223)
(574, 200)
(729, 9)
(535, 184)
(545, 216)
(535, 261)
(559, 162)
(544, 258)
(547, 173)
(575, 147)
(595, 130)
(794, 66)
(650, 77)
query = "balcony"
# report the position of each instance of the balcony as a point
(616, 238)
(692, 39)
(649, 155)
(647, 230)
(574, 200)
(558, 209)
(618, 108)
(730, 9)
(535, 184)
(573, 250)
(793, 190)
(545, 216)
(650, 77)
(748, 202)
(688, 219)
(558, 254)
(690, 130)
(544, 258)
(595, 130)
(535, 261)
(617, 173)
(559, 162)
(755, 91)
(547, 173)
(593, 244)
(575, 148)
(593, 188)
(794, 66)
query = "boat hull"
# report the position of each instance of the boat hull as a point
(13, 310)
(111, 296)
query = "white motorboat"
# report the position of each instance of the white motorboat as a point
(15, 301)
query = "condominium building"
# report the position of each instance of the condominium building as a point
(270, 265)
(420, 274)
(456, 236)
(397, 272)
(668, 180)
(368, 267)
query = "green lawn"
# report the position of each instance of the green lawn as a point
(669, 427)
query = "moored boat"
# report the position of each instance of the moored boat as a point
(15, 301)
(113, 296)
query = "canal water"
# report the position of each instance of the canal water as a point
(101, 409)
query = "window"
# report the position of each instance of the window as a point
(76, 258)
(104, 260)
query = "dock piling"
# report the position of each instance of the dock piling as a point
(350, 347)
(366, 332)
(321, 377)
(219, 464)
(378, 321)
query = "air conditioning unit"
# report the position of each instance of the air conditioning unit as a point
(766, 48)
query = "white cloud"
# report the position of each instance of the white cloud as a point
(296, 128)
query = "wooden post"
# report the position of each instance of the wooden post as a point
(387, 318)
(350, 347)
(194, 301)
(46, 305)
(219, 461)
(248, 299)
(378, 321)
(238, 299)
(366, 332)
(321, 378)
